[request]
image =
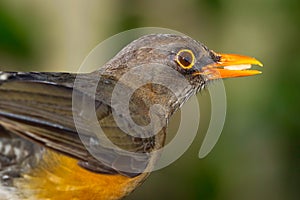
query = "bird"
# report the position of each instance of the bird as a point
(44, 155)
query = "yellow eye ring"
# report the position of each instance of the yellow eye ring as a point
(185, 58)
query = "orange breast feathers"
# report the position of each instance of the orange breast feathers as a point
(59, 177)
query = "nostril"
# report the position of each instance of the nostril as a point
(214, 56)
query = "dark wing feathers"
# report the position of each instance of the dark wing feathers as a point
(38, 106)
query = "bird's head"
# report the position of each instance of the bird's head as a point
(192, 65)
(189, 57)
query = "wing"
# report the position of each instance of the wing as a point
(38, 107)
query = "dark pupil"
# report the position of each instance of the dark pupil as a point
(185, 58)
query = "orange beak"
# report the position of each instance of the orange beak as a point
(231, 65)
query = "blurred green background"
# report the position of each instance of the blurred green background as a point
(258, 154)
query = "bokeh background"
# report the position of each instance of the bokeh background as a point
(258, 154)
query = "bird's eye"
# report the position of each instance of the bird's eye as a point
(185, 58)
